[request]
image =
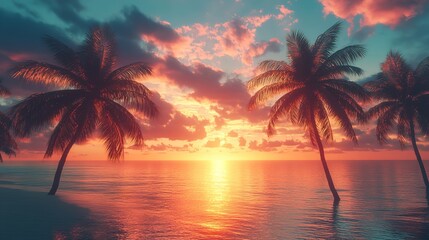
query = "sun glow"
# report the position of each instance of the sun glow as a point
(217, 194)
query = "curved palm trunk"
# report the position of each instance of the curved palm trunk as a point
(60, 167)
(325, 165)
(419, 158)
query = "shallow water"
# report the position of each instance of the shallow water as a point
(235, 199)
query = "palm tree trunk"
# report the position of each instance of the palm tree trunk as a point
(60, 167)
(325, 165)
(419, 158)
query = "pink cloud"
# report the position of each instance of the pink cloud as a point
(284, 11)
(228, 97)
(174, 125)
(235, 36)
(373, 12)
(260, 49)
(235, 39)
(257, 21)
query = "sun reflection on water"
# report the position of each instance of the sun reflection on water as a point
(217, 194)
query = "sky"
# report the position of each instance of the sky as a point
(202, 53)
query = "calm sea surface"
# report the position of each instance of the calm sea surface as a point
(233, 199)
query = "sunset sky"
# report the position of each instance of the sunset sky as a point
(202, 53)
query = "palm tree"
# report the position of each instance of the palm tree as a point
(313, 89)
(403, 95)
(91, 96)
(7, 142)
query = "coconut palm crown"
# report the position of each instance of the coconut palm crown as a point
(311, 89)
(7, 142)
(91, 95)
(403, 101)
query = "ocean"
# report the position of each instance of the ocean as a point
(213, 200)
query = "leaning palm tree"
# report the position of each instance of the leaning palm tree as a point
(91, 96)
(312, 90)
(7, 142)
(403, 95)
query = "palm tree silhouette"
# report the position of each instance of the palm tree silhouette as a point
(403, 95)
(314, 90)
(92, 96)
(7, 142)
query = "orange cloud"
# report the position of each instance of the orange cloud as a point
(373, 12)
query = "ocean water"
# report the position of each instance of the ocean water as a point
(227, 199)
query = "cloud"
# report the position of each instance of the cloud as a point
(257, 21)
(172, 124)
(284, 11)
(229, 99)
(68, 11)
(413, 36)
(372, 12)
(260, 49)
(162, 147)
(270, 146)
(242, 142)
(214, 143)
(233, 134)
(23, 41)
(235, 38)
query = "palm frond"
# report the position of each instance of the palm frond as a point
(97, 54)
(351, 88)
(322, 121)
(396, 70)
(326, 41)
(300, 55)
(39, 110)
(380, 109)
(64, 131)
(86, 118)
(345, 56)
(339, 71)
(269, 91)
(385, 122)
(347, 102)
(269, 77)
(381, 88)
(63, 54)
(131, 71)
(131, 94)
(297, 44)
(340, 110)
(283, 107)
(269, 65)
(113, 136)
(125, 120)
(46, 73)
(306, 114)
(403, 127)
